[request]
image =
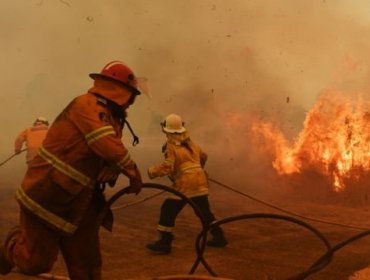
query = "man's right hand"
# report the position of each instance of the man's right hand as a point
(133, 173)
(136, 183)
(135, 186)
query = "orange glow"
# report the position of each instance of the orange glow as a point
(334, 141)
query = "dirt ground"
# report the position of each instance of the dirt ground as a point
(258, 249)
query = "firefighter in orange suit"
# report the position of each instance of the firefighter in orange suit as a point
(184, 162)
(61, 194)
(32, 137)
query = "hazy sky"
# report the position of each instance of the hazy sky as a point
(203, 58)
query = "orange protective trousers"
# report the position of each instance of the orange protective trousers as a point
(35, 248)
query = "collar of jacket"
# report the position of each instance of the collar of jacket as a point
(110, 91)
(100, 99)
(177, 138)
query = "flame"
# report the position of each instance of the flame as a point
(334, 141)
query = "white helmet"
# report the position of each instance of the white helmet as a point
(173, 124)
(41, 120)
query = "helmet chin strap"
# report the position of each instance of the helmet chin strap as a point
(136, 138)
(120, 112)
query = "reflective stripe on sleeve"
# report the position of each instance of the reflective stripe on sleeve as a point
(66, 168)
(169, 161)
(99, 133)
(44, 214)
(125, 161)
(194, 166)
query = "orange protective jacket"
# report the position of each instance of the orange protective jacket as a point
(184, 161)
(33, 138)
(83, 140)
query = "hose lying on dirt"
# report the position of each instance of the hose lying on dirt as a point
(325, 259)
(200, 243)
(201, 238)
(124, 191)
(284, 210)
(137, 201)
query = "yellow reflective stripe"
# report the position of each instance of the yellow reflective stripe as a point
(99, 133)
(44, 214)
(170, 161)
(66, 169)
(125, 161)
(195, 166)
(165, 229)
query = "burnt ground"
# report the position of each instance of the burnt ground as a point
(258, 249)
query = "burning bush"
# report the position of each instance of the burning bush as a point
(334, 142)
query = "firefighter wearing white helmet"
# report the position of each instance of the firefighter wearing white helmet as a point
(173, 124)
(32, 137)
(41, 120)
(184, 162)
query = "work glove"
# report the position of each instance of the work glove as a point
(133, 173)
(151, 173)
(108, 175)
(136, 182)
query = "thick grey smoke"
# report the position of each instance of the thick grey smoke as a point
(209, 61)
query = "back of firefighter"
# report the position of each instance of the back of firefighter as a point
(32, 138)
(61, 194)
(184, 162)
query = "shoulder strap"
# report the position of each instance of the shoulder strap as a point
(136, 139)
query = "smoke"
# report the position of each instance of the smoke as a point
(209, 61)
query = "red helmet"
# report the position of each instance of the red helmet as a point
(119, 72)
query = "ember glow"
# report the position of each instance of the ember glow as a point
(334, 142)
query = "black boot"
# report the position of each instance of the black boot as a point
(218, 238)
(163, 245)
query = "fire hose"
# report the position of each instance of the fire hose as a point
(124, 191)
(13, 155)
(256, 200)
(325, 259)
(202, 237)
(137, 201)
(200, 243)
(284, 210)
(318, 265)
